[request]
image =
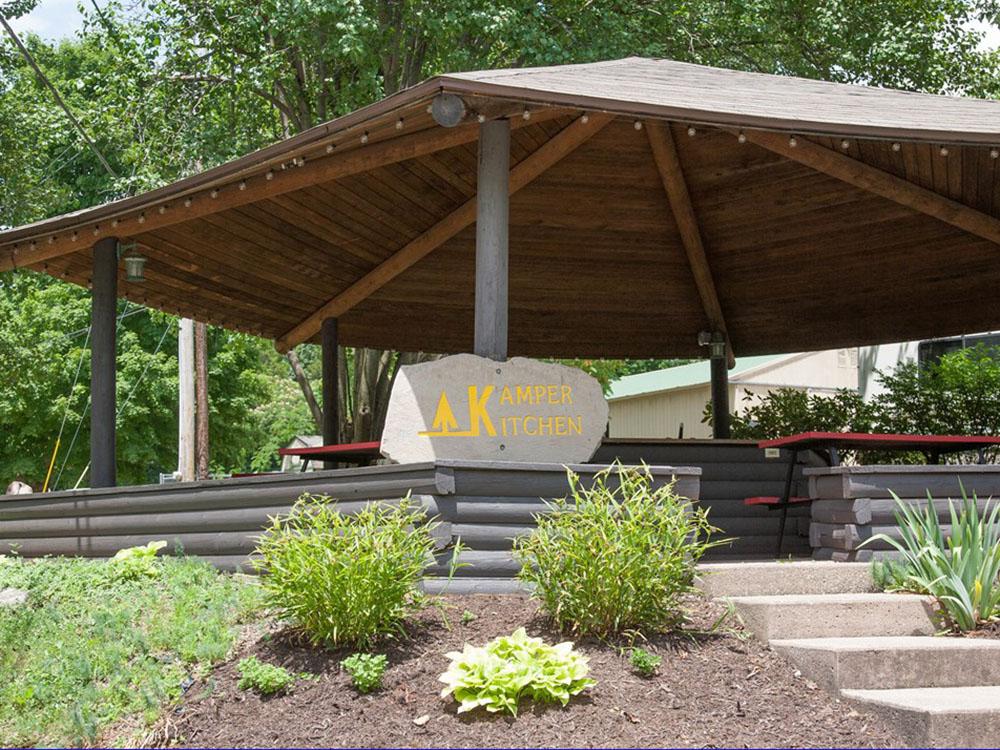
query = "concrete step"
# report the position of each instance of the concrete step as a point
(877, 662)
(769, 578)
(835, 615)
(937, 716)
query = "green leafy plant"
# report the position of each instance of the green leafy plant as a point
(644, 662)
(498, 675)
(468, 617)
(346, 578)
(136, 563)
(366, 670)
(888, 575)
(263, 678)
(960, 570)
(618, 556)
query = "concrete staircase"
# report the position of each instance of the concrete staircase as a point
(875, 650)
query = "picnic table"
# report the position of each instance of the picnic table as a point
(343, 452)
(831, 443)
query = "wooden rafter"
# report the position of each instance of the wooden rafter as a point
(243, 191)
(881, 183)
(560, 145)
(661, 140)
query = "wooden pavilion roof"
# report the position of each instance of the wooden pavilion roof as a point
(651, 200)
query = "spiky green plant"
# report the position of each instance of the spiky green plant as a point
(617, 556)
(961, 569)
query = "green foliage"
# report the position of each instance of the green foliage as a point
(889, 575)
(346, 579)
(958, 395)
(89, 650)
(786, 411)
(644, 662)
(961, 569)
(606, 371)
(468, 617)
(366, 670)
(136, 563)
(261, 677)
(500, 674)
(618, 556)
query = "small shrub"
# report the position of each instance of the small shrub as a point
(468, 617)
(366, 670)
(262, 677)
(136, 563)
(960, 570)
(644, 662)
(498, 675)
(345, 579)
(618, 558)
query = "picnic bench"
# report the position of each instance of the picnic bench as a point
(361, 453)
(832, 443)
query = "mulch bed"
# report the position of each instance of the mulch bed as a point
(723, 689)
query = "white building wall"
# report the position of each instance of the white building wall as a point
(660, 415)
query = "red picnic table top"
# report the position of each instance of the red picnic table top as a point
(342, 452)
(887, 441)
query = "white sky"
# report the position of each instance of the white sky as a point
(53, 19)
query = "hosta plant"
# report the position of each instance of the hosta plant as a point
(961, 569)
(506, 670)
(136, 563)
(346, 578)
(617, 556)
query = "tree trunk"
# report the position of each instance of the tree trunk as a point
(307, 391)
(201, 399)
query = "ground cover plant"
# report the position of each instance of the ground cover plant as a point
(506, 670)
(644, 662)
(366, 670)
(92, 648)
(346, 578)
(959, 569)
(264, 678)
(616, 557)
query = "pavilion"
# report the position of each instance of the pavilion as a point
(631, 208)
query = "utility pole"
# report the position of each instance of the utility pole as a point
(201, 391)
(185, 410)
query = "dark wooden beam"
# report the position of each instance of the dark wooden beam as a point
(668, 164)
(874, 180)
(492, 230)
(103, 321)
(564, 142)
(720, 398)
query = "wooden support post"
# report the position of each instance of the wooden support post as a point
(331, 374)
(103, 345)
(185, 401)
(492, 213)
(720, 397)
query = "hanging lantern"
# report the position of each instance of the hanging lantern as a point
(134, 265)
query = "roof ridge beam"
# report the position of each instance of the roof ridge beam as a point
(545, 156)
(882, 183)
(238, 192)
(668, 164)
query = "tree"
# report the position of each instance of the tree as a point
(169, 87)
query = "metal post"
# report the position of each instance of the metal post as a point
(103, 338)
(720, 397)
(492, 212)
(331, 371)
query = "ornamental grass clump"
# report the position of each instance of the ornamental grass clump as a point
(506, 670)
(346, 578)
(616, 557)
(959, 570)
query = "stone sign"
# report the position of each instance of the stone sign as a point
(469, 407)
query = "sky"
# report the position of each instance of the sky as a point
(53, 19)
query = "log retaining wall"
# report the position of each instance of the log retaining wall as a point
(854, 503)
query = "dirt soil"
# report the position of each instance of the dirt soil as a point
(723, 689)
